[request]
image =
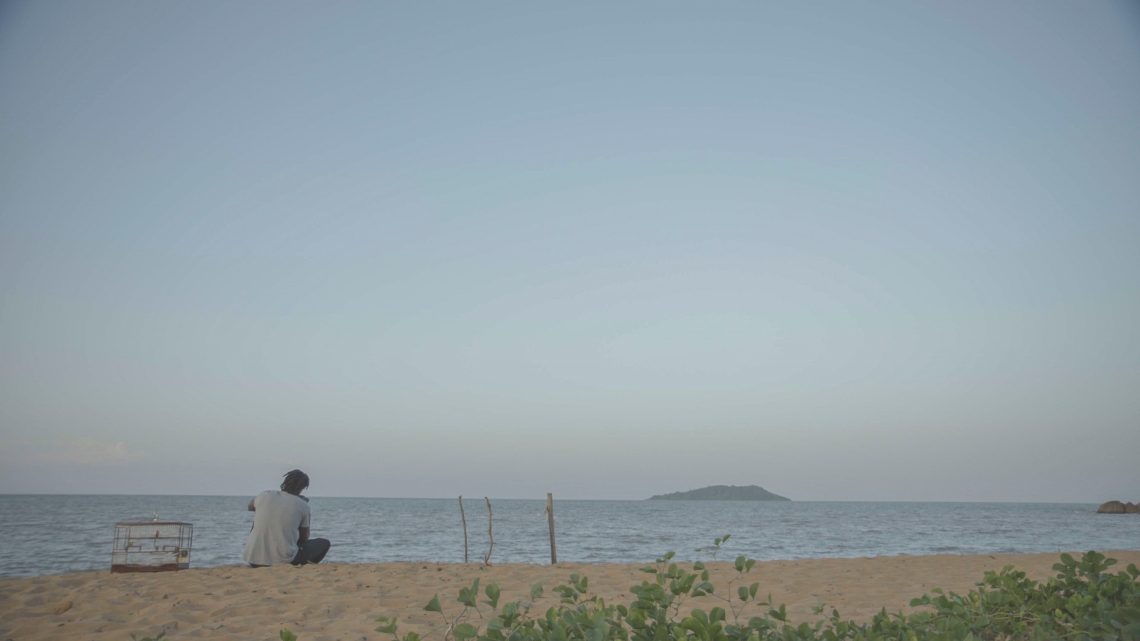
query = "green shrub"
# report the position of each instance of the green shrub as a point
(1084, 601)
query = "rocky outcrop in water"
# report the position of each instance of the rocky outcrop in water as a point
(1116, 507)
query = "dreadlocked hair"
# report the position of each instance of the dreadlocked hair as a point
(295, 482)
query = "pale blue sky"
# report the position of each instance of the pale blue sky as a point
(842, 250)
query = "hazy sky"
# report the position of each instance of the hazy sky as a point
(845, 251)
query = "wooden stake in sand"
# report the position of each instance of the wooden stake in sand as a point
(487, 559)
(464, 517)
(550, 521)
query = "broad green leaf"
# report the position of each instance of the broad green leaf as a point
(492, 592)
(433, 605)
(691, 623)
(465, 631)
(389, 627)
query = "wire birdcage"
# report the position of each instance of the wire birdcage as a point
(152, 546)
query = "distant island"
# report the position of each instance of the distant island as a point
(722, 493)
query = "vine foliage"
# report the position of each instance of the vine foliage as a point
(1084, 601)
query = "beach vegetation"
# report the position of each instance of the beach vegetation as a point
(714, 549)
(1084, 601)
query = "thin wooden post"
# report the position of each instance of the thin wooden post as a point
(487, 559)
(464, 517)
(550, 521)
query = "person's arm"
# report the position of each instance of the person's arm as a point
(303, 526)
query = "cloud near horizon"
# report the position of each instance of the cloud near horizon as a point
(78, 451)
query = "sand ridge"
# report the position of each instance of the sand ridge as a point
(342, 601)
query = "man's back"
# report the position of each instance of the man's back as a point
(278, 518)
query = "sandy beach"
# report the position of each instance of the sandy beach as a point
(336, 601)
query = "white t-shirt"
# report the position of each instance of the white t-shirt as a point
(277, 519)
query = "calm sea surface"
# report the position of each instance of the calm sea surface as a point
(54, 534)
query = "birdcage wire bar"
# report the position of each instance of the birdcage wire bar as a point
(152, 546)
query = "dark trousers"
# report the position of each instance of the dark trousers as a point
(312, 551)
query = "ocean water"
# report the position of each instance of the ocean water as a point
(55, 534)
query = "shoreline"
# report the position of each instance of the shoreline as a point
(342, 601)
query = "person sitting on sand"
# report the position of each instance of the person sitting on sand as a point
(280, 531)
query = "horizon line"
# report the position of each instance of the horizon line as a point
(439, 498)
